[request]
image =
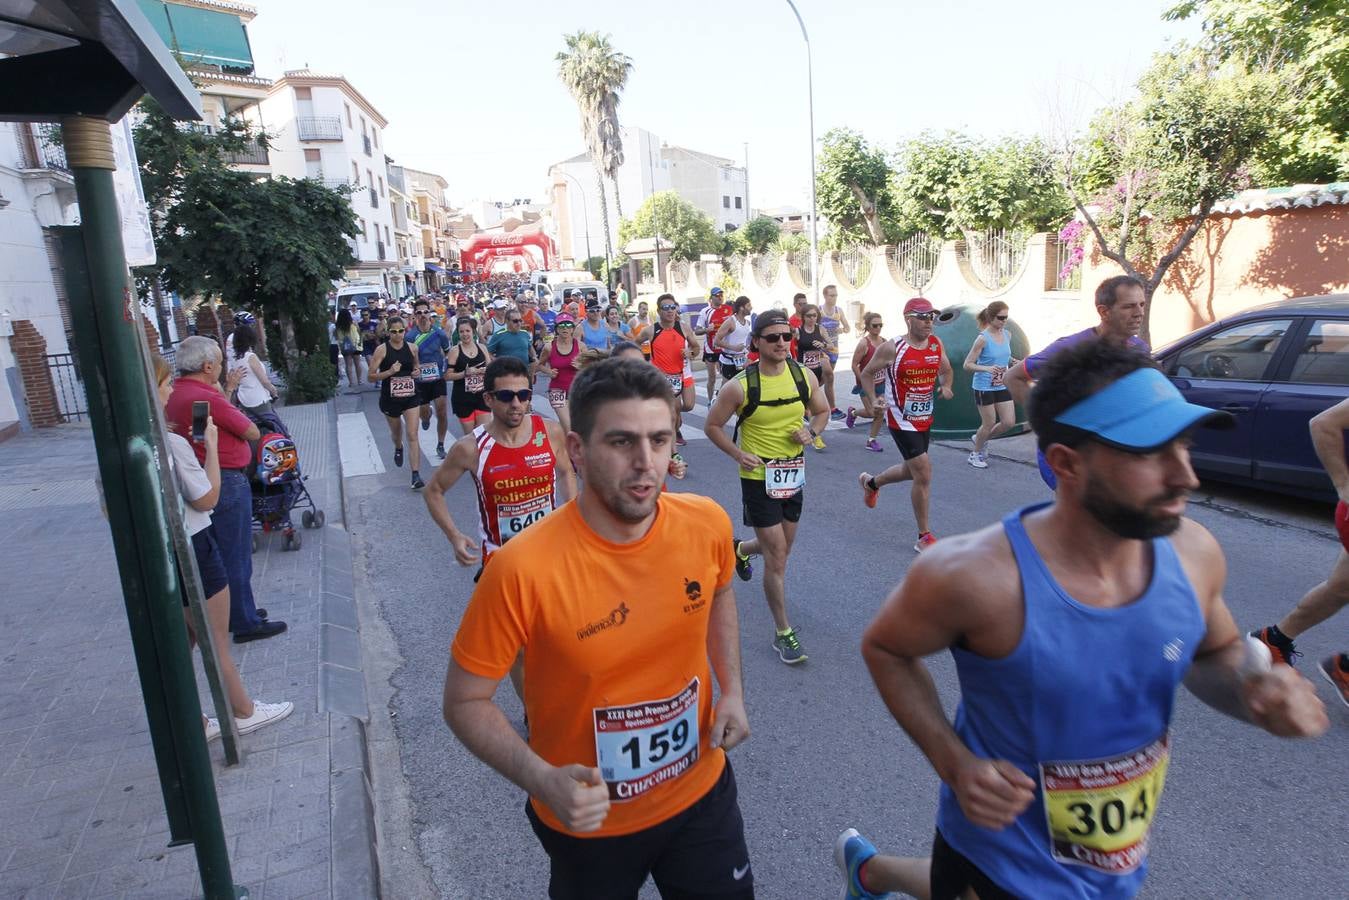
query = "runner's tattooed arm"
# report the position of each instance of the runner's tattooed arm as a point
(1222, 675)
(564, 485)
(730, 724)
(463, 457)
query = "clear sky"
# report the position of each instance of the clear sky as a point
(471, 89)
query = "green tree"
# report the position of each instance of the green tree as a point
(755, 236)
(853, 189)
(274, 246)
(594, 72)
(1149, 172)
(689, 230)
(1306, 42)
(947, 184)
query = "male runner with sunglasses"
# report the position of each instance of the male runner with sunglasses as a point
(916, 367)
(770, 398)
(514, 461)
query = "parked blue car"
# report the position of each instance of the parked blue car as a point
(1273, 367)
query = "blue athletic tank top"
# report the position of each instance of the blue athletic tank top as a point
(991, 354)
(1082, 705)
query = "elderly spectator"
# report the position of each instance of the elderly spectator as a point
(199, 363)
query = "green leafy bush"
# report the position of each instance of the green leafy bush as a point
(313, 381)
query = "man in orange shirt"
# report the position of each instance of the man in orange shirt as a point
(625, 765)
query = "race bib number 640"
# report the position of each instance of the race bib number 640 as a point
(1100, 812)
(643, 745)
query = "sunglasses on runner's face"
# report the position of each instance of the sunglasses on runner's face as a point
(776, 337)
(397, 330)
(1001, 318)
(667, 307)
(562, 325)
(876, 325)
(926, 317)
(523, 395)
(515, 321)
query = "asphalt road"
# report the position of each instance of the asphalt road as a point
(1244, 814)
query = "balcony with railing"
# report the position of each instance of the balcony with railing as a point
(43, 148)
(252, 154)
(319, 128)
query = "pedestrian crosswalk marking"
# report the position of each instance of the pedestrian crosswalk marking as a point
(356, 443)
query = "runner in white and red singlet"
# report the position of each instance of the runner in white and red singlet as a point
(517, 461)
(519, 464)
(916, 369)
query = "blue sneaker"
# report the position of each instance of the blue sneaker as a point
(850, 851)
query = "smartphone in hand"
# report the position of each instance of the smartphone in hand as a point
(201, 411)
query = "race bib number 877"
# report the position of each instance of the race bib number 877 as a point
(647, 744)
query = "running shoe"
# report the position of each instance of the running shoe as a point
(868, 492)
(836, 414)
(440, 450)
(925, 540)
(789, 648)
(851, 850)
(264, 714)
(398, 457)
(977, 460)
(679, 438)
(818, 443)
(875, 446)
(213, 728)
(1332, 669)
(1281, 648)
(417, 483)
(850, 418)
(426, 424)
(742, 564)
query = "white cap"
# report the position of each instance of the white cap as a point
(502, 304)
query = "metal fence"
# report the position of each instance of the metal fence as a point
(914, 259)
(801, 260)
(995, 255)
(856, 265)
(766, 267)
(1071, 280)
(679, 274)
(70, 397)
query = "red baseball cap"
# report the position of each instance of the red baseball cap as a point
(917, 305)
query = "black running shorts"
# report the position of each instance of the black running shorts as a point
(762, 511)
(990, 398)
(911, 444)
(429, 391)
(699, 853)
(952, 874)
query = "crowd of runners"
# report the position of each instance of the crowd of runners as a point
(1103, 598)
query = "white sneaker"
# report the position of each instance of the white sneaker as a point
(977, 461)
(264, 714)
(212, 729)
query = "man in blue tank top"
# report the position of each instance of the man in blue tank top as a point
(1072, 624)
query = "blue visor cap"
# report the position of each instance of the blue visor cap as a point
(1141, 412)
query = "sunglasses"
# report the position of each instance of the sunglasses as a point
(667, 307)
(1001, 318)
(776, 337)
(876, 325)
(926, 317)
(561, 325)
(515, 321)
(523, 395)
(397, 330)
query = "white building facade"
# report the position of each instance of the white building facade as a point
(323, 128)
(714, 184)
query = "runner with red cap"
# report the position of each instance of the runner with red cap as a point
(1332, 595)
(916, 369)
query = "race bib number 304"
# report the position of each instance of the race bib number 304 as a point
(641, 746)
(1101, 812)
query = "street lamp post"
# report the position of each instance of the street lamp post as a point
(584, 211)
(810, 105)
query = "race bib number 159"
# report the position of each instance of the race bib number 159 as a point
(647, 744)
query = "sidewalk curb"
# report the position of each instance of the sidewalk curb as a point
(354, 856)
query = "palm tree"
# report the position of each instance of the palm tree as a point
(594, 72)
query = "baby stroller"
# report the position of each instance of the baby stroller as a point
(278, 484)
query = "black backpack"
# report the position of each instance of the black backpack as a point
(754, 390)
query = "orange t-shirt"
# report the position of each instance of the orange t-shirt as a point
(529, 319)
(615, 665)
